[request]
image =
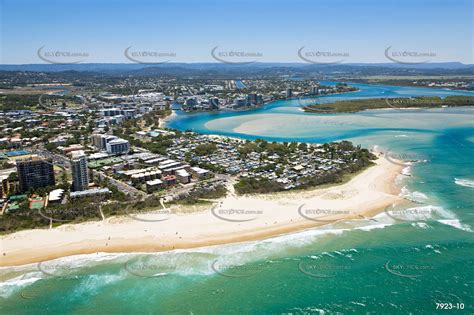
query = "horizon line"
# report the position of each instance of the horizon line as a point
(221, 63)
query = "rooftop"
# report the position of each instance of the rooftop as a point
(17, 153)
(77, 154)
(154, 182)
(56, 194)
(95, 191)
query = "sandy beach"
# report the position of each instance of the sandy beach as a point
(163, 121)
(230, 219)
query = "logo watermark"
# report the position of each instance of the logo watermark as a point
(58, 269)
(400, 104)
(148, 268)
(138, 90)
(50, 217)
(152, 216)
(29, 294)
(61, 57)
(406, 270)
(235, 271)
(320, 215)
(408, 57)
(235, 215)
(308, 102)
(235, 57)
(148, 56)
(70, 214)
(395, 103)
(43, 102)
(404, 158)
(411, 214)
(321, 57)
(320, 269)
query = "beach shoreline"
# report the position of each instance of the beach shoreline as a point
(363, 196)
(163, 121)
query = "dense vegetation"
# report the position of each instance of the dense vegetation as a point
(18, 101)
(400, 103)
(354, 162)
(423, 82)
(257, 186)
(205, 149)
(202, 192)
(22, 219)
(74, 212)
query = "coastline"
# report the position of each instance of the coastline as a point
(163, 121)
(365, 195)
(254, 107)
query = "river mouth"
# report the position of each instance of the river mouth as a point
(284, 120)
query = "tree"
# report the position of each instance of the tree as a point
(303, 147)
(13, 177)
(205, 149)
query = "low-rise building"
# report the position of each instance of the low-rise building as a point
(55, 196)
(99, 141)
(183, 176)
(72, 148)
(146, 176)
(169, 180)
(153, 185)
(200, 173)
(118, 146)
(89, 193)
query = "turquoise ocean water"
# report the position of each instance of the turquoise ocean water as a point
(391, 264)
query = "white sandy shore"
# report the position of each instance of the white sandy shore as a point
(364, 195)
(163, 121)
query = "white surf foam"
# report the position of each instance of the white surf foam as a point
(457, 224)
(372, 227)
(84, 260)
(464, 182)
(11, 286)
(198, 260)
(414, 196)
(426, 212)
(421, 225)
(91, 284)
(406, 171)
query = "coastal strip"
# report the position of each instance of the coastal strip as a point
(365, 195)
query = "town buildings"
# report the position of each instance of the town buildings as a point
(118, 146)
(35, 172)
(80, 176)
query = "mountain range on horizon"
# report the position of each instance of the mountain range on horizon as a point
(258, 69)
(209, 65)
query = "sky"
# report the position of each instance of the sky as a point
(355, 31)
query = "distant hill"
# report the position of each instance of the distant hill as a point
(106, 67)
(255, 70)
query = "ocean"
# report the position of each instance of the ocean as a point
(404, 260)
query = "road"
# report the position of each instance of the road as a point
(123, 187)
